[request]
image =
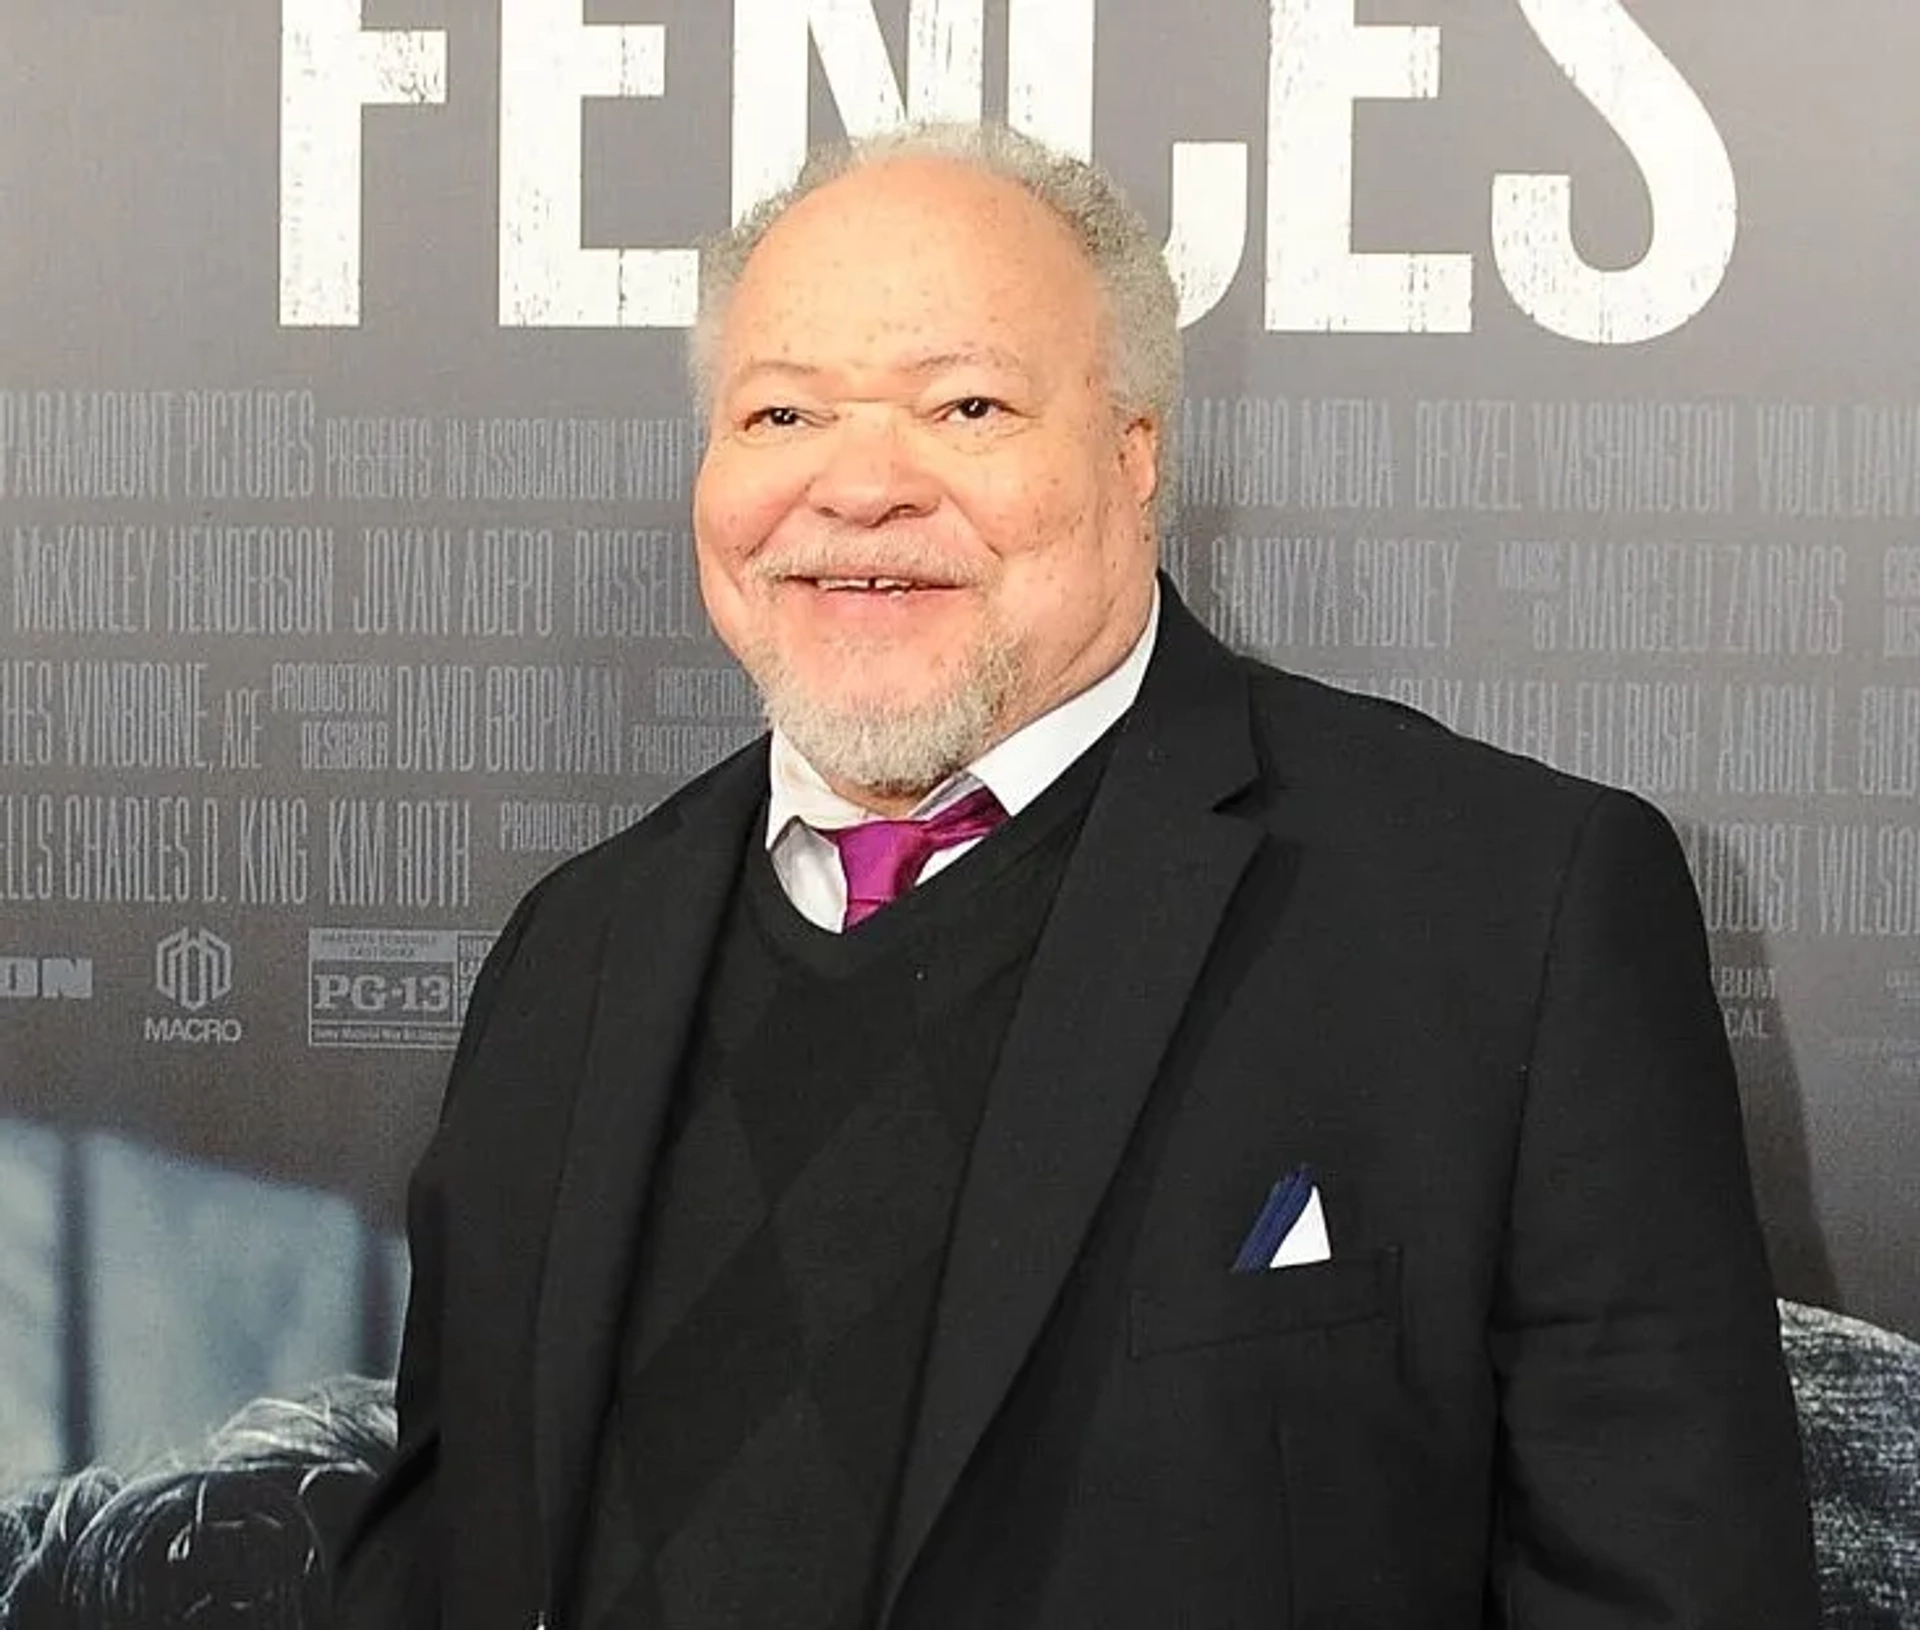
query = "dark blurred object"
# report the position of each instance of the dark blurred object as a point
(241, 1541)
(1857, 1391)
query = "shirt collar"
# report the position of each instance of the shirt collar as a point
(1016, 770)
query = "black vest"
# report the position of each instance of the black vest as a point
(794, 1235)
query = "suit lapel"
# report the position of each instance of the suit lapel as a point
(661, 927)
(1136, 914)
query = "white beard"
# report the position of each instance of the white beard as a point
(894, 750)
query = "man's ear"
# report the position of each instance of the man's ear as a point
(1140, 456)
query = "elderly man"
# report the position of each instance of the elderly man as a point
(1076, 1129)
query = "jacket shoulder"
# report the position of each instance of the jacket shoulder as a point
(720, 797)
(1400, 773)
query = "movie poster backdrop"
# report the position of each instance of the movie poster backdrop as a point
(1553, 368)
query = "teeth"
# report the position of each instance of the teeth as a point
(890, 584)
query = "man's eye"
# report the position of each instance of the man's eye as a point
(780, 418)
(975, 408)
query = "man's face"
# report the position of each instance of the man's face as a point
(921, 521)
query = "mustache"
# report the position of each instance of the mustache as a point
(861, 560)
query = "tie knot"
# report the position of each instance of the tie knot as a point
(882, 859)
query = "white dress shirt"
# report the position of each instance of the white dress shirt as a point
(801, 805)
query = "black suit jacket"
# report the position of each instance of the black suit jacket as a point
(1538, 1383)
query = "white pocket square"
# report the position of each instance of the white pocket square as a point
(1306, 1240)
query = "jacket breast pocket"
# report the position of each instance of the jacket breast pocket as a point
(1231, 1307)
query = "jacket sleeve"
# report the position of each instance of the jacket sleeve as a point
(1649, 1460)
(387, 1572)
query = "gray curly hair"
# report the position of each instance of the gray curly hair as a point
(1142, 306)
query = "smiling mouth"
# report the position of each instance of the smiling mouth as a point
(870, 585)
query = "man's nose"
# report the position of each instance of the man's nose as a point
(869, 474)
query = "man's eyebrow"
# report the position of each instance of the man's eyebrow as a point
(922, 367)
(978, 356)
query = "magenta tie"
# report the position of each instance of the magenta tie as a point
(882, 858)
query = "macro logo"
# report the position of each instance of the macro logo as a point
(193, 968)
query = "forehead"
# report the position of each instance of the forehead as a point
(910, 258)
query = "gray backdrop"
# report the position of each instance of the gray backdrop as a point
(1551, 367)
